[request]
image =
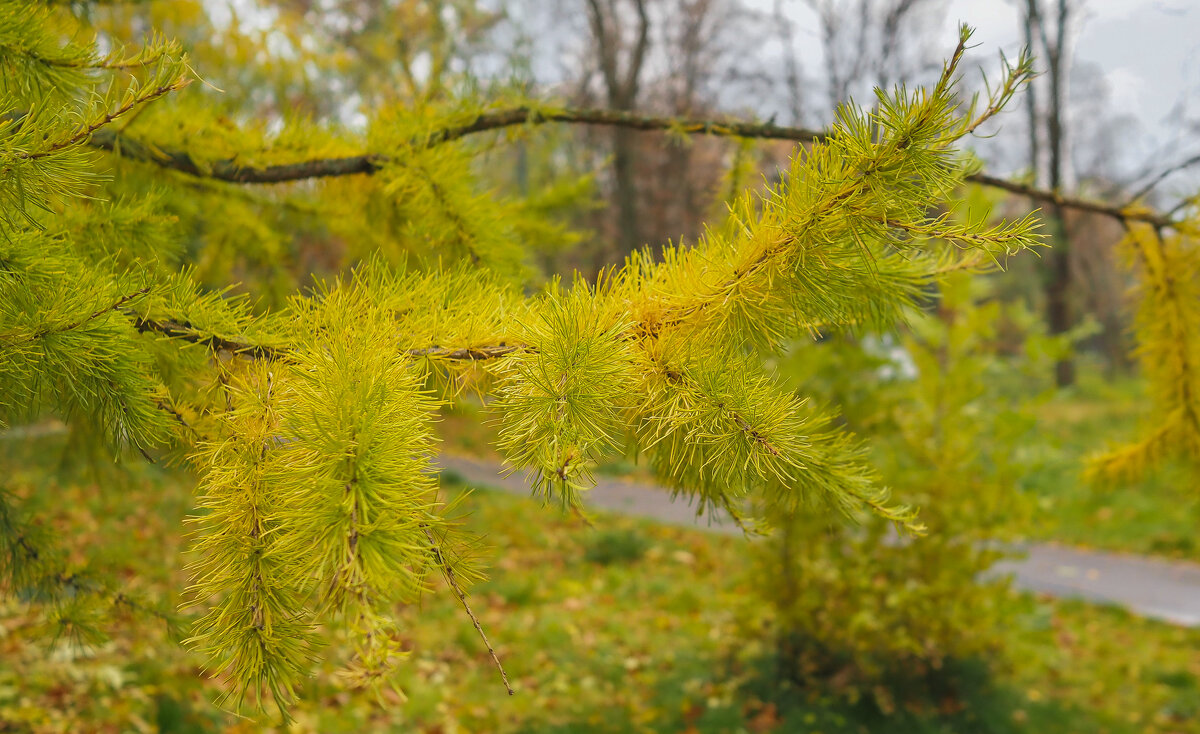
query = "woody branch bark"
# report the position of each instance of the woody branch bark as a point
(230, 171)
(180, 160)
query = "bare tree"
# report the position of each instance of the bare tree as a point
(621, 86)
(674, 57)
(692, 43)
(869, 43)
(791, 62)
(1047, 24)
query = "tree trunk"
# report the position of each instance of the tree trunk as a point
(787, 640)
(1060, 315)
(621, 89)
(625, 190)
(1031, 105)
(1058, 294)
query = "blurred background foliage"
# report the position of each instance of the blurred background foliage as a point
(626, 625)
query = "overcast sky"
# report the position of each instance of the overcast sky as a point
(1147, 51)
(1146, 48)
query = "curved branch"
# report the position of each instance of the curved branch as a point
(369, 163)
(230, 171)
(233, 172)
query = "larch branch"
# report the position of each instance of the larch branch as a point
(369, 163)
(229, 170)
(89, 130)
(186, 332)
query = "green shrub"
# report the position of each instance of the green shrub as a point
(859, 611)
(608, 547)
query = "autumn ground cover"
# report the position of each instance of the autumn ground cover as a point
(1155, 514)
(623, 625)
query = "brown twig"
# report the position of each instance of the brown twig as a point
(172, 411)
(468, 353)
(750, 430)
(1070, 202)
(448, 572)
(186, 332)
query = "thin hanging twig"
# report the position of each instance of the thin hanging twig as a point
(448, 572)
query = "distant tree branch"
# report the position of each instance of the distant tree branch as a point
(230, 171)
(1070, 202)
(1146, 189)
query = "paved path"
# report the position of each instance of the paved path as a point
(1165, 590)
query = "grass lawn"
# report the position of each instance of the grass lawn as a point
(625, 626)
(1157, 514)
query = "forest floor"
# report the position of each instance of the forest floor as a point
(631, 625)
(625, 626)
